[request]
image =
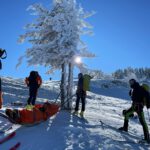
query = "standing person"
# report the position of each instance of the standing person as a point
(3, 55)
(81, 94)
(137, 94)
(33, 82)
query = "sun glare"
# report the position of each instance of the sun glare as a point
(78, 60)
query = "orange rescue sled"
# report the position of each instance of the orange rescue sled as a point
(40, 112)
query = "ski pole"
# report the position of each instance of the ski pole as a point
(57, 97)
(68, 99)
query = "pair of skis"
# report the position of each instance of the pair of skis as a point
(8, 137)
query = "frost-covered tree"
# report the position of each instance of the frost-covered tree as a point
(55, 38)
(118, 74)
(140, 74)
(96, 74)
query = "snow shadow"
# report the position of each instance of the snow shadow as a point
(113, 139)
(71, 132)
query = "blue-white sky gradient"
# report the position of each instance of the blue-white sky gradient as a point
(121, 34)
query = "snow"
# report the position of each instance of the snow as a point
(65, 131)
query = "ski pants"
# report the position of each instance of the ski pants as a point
(139, 110)
(82, 97)
(32, 96)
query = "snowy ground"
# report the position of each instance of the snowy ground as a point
(65, 131)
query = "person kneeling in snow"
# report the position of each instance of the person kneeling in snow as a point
(34, 81)
(137, 95)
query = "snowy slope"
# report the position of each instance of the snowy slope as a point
(64, 131)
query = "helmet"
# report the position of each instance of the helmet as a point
(80, 75)
(132, 82)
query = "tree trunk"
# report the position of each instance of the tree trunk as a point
(63, 86)
(70, 86)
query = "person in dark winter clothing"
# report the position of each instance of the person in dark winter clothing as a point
(3, 55)
(33, 82)
(81, 94)
(137, 94)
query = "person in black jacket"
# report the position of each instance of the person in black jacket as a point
(3, 55)
(137, 94)
(33, 82)
(81, 94)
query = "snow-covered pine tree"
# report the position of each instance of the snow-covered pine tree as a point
(79, 16)
(55, 37)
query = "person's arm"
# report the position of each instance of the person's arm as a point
(27, 81)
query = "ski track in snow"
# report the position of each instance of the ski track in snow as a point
(65, 131)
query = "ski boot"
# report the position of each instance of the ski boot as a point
(125, 126)
(82, 114)
(147, 138)
(29, 107)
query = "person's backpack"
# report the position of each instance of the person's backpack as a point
(86, 82)
(34, 78)
(147, 95)
(39, 80)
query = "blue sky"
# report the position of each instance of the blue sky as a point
(121, 34)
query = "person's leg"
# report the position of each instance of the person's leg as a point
(29, 100)
(77, 103)
(33, 100)
(144, 125)
(83, 103)
(34, 94)
(30, 96)
(83, 106)
(127, 115)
